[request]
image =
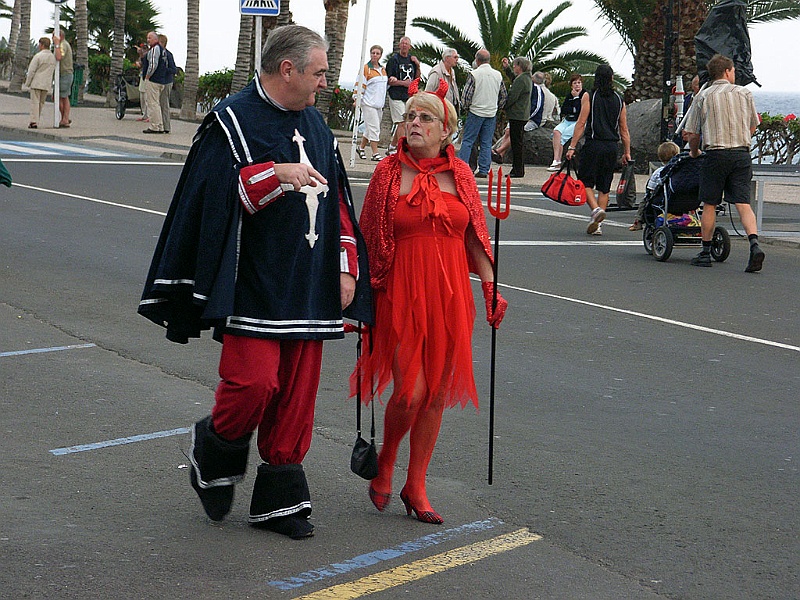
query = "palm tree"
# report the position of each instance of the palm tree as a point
(23, 47)
(244, 53)
(13, 35)
(400, 20)
(81, 38)
(141, 17)
(640, 23)
(538, 40)
(5, 10)
(192, 73)
(118, 53)
(336, 13)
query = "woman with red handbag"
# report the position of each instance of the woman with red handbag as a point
(603, 120)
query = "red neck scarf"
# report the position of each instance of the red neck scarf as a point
(425, 189)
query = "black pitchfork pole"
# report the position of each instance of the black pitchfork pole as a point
(499, 214)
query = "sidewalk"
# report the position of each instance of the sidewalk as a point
(95, 125)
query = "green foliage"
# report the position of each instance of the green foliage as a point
(540, 40)
(341, 112)
(213, 87)
(141, 17)
(100, 71)
(777, 139)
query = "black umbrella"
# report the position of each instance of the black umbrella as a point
(725, 32)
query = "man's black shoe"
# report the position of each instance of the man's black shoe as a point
(481, 175)
(151, 131)
(756, 260)
(702, 260)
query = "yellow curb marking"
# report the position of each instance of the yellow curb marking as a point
(427, 566)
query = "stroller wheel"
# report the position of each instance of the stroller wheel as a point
(662, 243)
(720, 244)
(119, 112)
(647, 238)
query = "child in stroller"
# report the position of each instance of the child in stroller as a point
(669, 211)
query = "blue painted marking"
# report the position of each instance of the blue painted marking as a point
(40, 350)
(373, 558)
(119, 441)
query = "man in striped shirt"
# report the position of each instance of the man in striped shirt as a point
(724, 116)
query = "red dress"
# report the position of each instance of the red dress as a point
(425, 314)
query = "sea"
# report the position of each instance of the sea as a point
(776, 103)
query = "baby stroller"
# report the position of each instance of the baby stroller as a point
(126, 92)
(670, 213)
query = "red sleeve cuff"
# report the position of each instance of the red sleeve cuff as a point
(258, 186)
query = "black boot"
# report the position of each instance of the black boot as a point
(217, 465)
(281, 502)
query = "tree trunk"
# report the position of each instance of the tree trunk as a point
(118, 52)
(336, 13)
(13, 35)
(82, 40)
(191, 75)
(244, 65)
(648, 76)
(400, 20)
(23, 49)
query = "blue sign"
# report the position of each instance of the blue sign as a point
(260, 8)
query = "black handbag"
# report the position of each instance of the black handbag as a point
(364, 459)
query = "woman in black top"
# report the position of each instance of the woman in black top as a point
(603, 120)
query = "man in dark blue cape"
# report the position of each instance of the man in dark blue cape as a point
(261, 243)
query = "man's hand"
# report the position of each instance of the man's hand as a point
(298, 175)
(347, 287)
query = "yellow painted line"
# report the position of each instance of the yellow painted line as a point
(424, 567)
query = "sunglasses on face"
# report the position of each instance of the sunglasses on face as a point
(410, 117)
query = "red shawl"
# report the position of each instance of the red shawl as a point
(377, 215)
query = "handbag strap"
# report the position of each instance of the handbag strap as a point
(358, 389)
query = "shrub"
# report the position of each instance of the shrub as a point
(213, 87)
(340, 112)
(777, 139)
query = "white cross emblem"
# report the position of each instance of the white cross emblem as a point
(311, 192)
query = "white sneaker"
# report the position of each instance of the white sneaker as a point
(598, 214)
(555, 166)
(391, 150)
(598, 231)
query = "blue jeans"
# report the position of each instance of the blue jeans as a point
(482, 130)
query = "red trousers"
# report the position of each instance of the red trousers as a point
(269, 385)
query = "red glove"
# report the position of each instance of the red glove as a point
(494, 317)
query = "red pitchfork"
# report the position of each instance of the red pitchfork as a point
(499, 214)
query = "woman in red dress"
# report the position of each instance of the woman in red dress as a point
(425, 230)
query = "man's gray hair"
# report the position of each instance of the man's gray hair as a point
(290, 42)
(448, 52)
(538, 77)
(523, 63)
(482, 56)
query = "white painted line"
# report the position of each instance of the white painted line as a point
(132, 163)
(17, 149)
(95, 200)
(40, 350)
(119, 441)
(574, 243)
(720, 332)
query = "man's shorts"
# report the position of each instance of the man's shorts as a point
(596, 164)
(397, 109)
(65, 84)
(728, 172)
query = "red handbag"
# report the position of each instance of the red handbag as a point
(563, 188)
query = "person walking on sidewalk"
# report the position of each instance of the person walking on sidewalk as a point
(63, 52)
(402, 68)
(39, 80)
(483, 96)
(261, 244)
(155, 78)
(603, 119)
(725, 115)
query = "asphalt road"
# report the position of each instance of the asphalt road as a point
(646, 423)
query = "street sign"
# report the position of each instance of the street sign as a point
(259, 8)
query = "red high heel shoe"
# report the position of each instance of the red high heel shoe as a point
(379, 499)
(426, 516)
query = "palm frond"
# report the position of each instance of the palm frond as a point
(766, 11)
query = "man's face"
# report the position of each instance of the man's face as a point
(404, 46)
(306, 85)
(451, 61)
(152, 39)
